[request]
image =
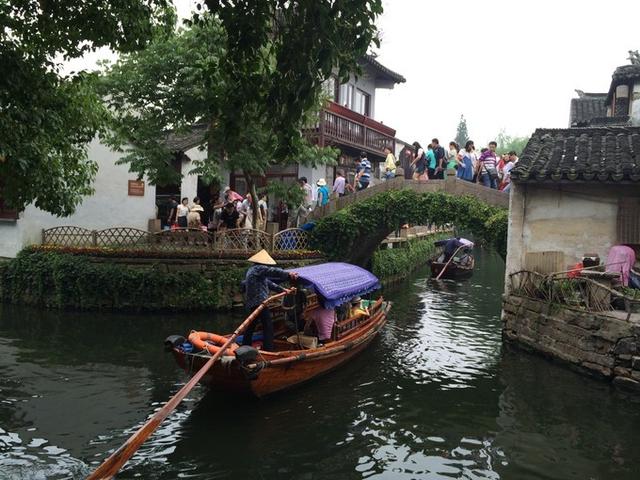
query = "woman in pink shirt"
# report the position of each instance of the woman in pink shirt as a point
(324, 318)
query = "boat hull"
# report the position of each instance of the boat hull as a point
(452, 272)
(277, 371)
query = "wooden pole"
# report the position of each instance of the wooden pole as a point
(114, 463)
(445, 267)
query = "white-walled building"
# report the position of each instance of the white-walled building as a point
(120, 200)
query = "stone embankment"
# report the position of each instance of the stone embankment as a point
(606, 344)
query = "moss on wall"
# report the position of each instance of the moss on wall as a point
(56, 280)
(397, 263)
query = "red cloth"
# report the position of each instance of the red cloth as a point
(621, 260)
(575, 270)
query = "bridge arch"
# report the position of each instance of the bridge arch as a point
(353, 233)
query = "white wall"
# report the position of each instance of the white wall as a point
(109, 206)
(573, 219)
(634, 112)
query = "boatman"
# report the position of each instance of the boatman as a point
(451, 247)
(258, 281)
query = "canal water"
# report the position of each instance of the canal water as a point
(435, 397)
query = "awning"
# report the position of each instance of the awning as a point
(337, 282)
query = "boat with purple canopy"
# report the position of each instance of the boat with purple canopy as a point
(295, 359)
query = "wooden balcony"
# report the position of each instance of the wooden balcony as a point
(339, 125)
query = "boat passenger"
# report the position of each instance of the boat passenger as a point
(357, 309)
(258, 282)
(324, 318)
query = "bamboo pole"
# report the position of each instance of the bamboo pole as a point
(447, 264)
(114, 463)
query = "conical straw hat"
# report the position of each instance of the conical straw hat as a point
(263, 258)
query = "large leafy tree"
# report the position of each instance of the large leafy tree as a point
(251, 71)
(508, 143)
(47, 118)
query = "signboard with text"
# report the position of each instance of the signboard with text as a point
(136, 188)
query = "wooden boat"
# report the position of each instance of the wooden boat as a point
(459, 268)
(291, 364)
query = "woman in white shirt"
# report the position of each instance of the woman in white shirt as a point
(183, 211)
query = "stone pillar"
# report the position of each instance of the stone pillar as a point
(621, 107)
(635, 106)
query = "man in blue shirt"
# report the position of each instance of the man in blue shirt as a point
(363, 172)
(258, 281)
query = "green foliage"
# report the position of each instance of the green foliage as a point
(399, 262)
(507, 143)
(462, 134)
(69, 281)
(46, 119)
(341, 235)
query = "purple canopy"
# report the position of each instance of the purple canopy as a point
(337, 282)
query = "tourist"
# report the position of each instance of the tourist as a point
(229, 217)
(323, 192)
(172, 210)
(245, 209)
(324, 319)
(514, 157)
(487, 167)
(452, 157)
(506, 174)
(357, 309)
(216, 211)
(259, 279)
(194, 219)
(307, 191)
(182, 212)
(339, 184)
(441, 161)
(231, 196)
(432, 163)
(263, 212)
(466, 162)
(363, 172)
(419, 163)
(389, 164)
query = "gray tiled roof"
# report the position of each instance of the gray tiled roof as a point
(394, 76)
(181, 142)
(605, 154)
(586, 108)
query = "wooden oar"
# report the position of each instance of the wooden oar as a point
(447, 264)
(114, 463)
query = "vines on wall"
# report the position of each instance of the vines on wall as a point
(353, 234)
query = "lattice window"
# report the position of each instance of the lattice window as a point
(629, 220)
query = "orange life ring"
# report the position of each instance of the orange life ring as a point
(211, 342)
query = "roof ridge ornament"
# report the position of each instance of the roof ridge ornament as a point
(634, 57)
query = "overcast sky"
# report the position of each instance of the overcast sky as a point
(509, 65)
(504, 64)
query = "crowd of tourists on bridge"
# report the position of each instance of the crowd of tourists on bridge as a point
(488, 168)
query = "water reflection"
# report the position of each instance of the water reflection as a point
(435, 397)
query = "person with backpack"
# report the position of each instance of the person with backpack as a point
(419, 163)
(441, 161)
(363, 172)
(488, 167)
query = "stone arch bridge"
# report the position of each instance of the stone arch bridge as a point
(350, 228)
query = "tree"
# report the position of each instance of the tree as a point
(46, 118)
(462, 135)
(257, 79)
(507, 143)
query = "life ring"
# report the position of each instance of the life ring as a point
(211, 342)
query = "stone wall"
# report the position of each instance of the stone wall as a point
(607, 345)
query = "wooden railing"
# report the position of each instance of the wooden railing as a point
(340, 125)
(234, 240)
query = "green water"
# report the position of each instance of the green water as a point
(435, 397)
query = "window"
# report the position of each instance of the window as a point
(346, 95)
(629, 221)
(362, 102)
(330, 88)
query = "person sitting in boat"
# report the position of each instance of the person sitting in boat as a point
(324, 319)
(258, 281)
(357, 309)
